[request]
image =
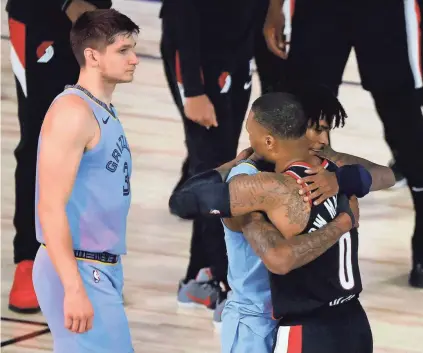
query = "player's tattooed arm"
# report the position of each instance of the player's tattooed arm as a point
(282, 254)
(382, 176)
(259, 192)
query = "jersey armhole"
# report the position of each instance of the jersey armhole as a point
(294, 175)
(98, 146)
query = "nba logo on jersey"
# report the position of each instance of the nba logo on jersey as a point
(96, 276)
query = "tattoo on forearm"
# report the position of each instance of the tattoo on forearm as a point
(329, 153)
(382, 177)
(344, 158)
(261, 234)
(308, 247)
(273, 193)
(304, 248)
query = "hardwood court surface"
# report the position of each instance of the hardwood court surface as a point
(159, 243)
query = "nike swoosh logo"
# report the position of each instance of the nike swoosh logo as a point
(247, 85)
(105, 121)
(417, 189)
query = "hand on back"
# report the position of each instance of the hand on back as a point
(319, 186)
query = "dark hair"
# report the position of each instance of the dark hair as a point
(289, 114)
(98, 29)
(281, 113)
(319, 103)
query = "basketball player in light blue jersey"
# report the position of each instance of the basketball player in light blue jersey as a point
(83, 194)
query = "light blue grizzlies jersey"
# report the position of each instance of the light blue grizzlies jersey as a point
(99, 203)
(248, 277)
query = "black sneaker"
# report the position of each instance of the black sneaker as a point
(400, 180)
(416, 276)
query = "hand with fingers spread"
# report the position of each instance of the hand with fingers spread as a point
(78, 311)
(319, 186)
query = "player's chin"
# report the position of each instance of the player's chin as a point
(314, 152)
(127, 77)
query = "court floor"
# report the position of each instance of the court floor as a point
(159, 243)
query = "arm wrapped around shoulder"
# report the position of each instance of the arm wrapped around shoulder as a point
(204, 194)
(354, 179)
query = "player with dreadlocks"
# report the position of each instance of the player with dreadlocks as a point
(301, 236)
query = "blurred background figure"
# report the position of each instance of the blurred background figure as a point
(207, 49)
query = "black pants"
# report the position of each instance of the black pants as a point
(208, 149)
(343, 328)
(385, 36)
(271, 69)
(43, 64)
(420, 8)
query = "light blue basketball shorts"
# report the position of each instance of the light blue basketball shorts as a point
(103, 283)
(246, 333)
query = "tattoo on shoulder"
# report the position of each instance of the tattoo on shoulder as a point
(249, 193)
(268, 191)
(297, 211)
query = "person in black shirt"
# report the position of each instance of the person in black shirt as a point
(43, 63)
(207, 50)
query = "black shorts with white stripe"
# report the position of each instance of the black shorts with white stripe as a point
(341, 327)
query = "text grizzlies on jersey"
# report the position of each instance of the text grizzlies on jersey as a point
(121, 145)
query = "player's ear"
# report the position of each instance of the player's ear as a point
(91, 57)
(270, 142)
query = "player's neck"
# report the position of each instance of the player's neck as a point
(97, 86)
(291, 153)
